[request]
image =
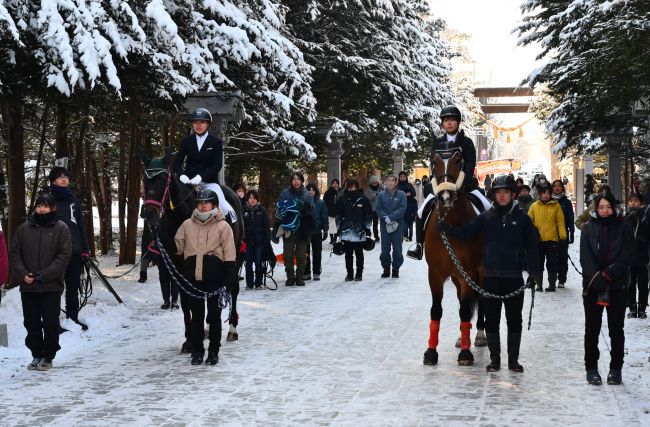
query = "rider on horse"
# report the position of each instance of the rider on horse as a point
(452, 139)
(203, 157)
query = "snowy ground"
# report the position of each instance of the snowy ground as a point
(332, 353)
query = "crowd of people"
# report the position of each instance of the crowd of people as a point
(534, 222)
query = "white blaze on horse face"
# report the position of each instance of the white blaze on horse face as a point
(446, 198)
(445, 175)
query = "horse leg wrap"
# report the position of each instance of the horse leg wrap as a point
(434, 329)
(465, 340)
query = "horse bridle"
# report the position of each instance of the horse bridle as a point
(159, 204)
(447, 185)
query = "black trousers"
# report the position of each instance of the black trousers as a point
(562, 260)
(168, 287)
(197, 308)
(353, 249)
(72, 284)
(513, 306)
(375, 225)
(615, 323)
(314, 255)
(41, 319)
(638, 280)
(549, 251)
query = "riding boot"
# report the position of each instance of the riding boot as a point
(514, 341)
(418, 250)
(494, 345)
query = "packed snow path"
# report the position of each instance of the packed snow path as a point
(332, 353)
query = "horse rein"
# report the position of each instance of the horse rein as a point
(159, 204)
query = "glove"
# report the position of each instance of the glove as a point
(367, 232)
(85, 256)
(196, 180)
(184, 179)
(388, 221)
(599, 284)
(324, 236)
(571, 237)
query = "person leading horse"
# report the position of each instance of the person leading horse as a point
(453, 138)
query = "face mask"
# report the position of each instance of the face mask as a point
(204, 216)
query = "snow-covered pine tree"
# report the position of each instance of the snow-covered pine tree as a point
(597, 62)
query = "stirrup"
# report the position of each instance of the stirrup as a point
(415, 253)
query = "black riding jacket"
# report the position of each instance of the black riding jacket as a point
(510, 241)
(206, 162)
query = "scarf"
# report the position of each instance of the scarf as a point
(62, 193)
(44, 219)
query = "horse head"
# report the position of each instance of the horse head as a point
(157, 180)
(448, 174)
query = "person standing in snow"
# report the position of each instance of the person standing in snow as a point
(293, 222)
(559, 194)
(257, 233)
(391, 207)
(510, 240)
(69, 210)
(411, 204)
(353, 222)
(40, 251)
(606, 249)
(318, 235)
(371, 194)
(638, 222)
(330, 197)
(199, 160)
(205, 241)
(548, 218)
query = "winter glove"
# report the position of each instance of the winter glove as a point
(196, 180)
(184, 179)
(324, 237)
(388, 221)
(599, 283)
(570, 237)
(367, 232)
(603, 298)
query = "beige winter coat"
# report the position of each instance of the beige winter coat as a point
(212, 238)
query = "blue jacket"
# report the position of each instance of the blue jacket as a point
(319, 214)
(510, 241)
(256, 225)
(393, 206)
(567, 210)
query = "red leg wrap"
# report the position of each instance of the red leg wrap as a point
(465, 340)
(434, 329)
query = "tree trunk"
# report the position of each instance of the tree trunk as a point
(4, 212)
(60, 138)
(103, 198)
(87, 183)
(121, 190)
(39, 156)
(12, 111)
(266, 187)
(133, 205)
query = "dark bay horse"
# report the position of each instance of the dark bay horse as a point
(167, 203)
(454, 207)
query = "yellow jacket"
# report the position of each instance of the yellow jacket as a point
(549, 220)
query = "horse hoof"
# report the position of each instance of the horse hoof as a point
(465, 358)
(458, 343)
(186, 347)
(431, 357)
(232, 336)
(480, 340)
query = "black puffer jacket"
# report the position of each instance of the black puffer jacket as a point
(354, 216)
(43, 250)
(606, 246)
(330, 197)
(638, 222)
(510, 241)
(257, 226)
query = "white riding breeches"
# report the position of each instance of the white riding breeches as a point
(223, 203)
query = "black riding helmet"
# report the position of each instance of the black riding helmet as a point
(207, 195)
(201, 114)
(450, 111)
(504, 182)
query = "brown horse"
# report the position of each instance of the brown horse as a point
(454, 208)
